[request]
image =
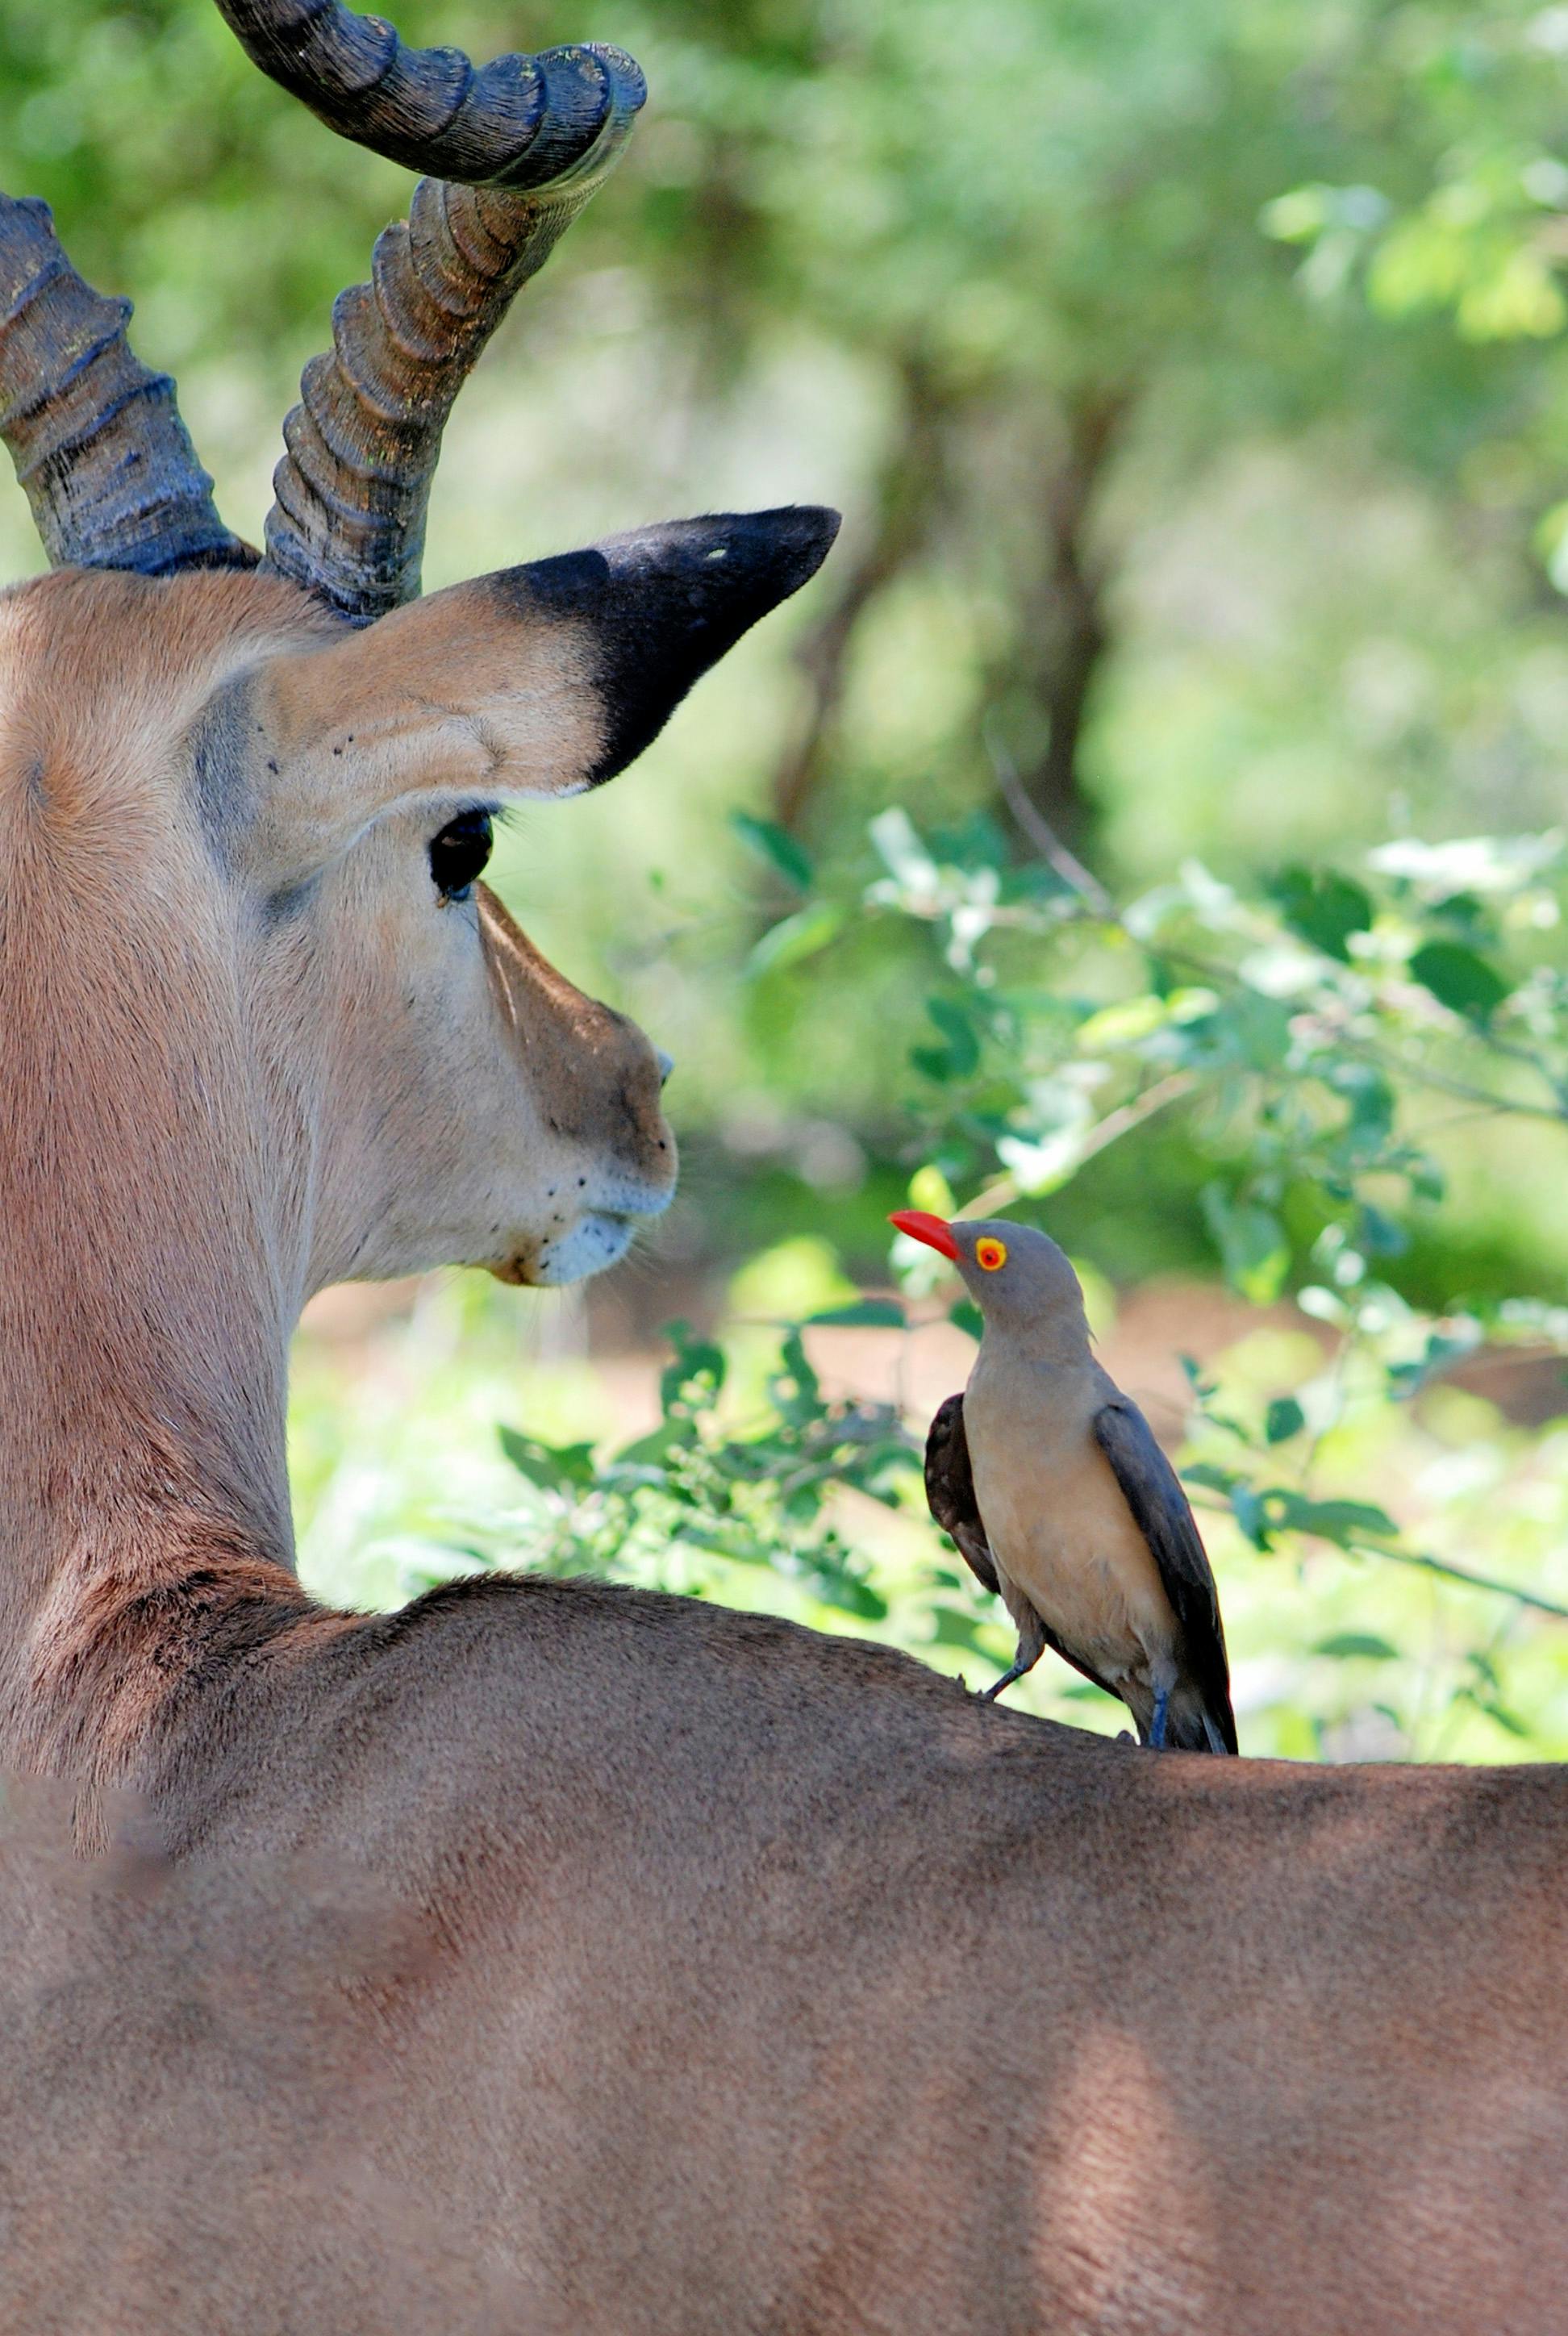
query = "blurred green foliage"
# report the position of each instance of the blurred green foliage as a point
(1098, 837)
(1320, 1032)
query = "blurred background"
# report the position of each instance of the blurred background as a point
(1149, 822)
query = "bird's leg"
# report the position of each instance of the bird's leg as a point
(1030, 1648)
(1031, 1642)
(1157, 1725)
(990, 1694)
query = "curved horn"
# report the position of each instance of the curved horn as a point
(516, 150)
(97, 440)
(516, 122)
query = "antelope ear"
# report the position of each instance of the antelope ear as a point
(539, 680)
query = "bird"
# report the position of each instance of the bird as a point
(1050, 1482)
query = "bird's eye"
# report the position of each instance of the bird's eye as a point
(991, 1253)
(459, 853)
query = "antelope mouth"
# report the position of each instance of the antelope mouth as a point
(598, 1238)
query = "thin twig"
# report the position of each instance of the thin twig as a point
(1415, 1559)
(1418, 1075)
(1471, 1580)
(1042, 834)
(1114, 1124)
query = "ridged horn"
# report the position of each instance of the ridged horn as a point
(97, 440)
(514, 149)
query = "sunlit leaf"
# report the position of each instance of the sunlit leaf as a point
(951, 1628)
(696, 1373)
(558, 1467)
(794, 939)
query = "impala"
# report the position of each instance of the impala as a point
(549, 1957)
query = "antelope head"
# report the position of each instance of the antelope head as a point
(247, 798)
(264, 1027)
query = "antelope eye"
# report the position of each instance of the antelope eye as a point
(459, 853)
(991, 1254)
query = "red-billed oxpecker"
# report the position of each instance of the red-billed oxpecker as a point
(1049, 1481)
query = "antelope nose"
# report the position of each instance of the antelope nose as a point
(666, 1063)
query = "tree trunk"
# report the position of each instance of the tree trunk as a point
(911, 487)
(1063, 635)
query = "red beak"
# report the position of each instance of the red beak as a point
(921, 1226)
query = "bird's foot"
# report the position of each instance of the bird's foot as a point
(990, 1694)
(1157, 1726)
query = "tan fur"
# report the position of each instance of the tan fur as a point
(215, 1100)
(549, 1960)
(437, 694)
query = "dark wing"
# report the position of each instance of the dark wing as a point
(1154, 1496)
(950, 1492)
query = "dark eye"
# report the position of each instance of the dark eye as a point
(459, 854)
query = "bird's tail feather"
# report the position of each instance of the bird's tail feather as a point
(1192, 1728)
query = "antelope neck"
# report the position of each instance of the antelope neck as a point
(145, 1305)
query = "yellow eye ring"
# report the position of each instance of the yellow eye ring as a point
(990, 1254)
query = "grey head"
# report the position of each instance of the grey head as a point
(1023, 1284)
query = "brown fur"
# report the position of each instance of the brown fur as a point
(548, 1958)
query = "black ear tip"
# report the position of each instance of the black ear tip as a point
(805, 531)
(664, 603)
(768, 551)
(807, 524)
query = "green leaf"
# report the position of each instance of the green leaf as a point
(695, 1375)
(1251, 1242)
(1324, 908)
(1122, 1024)
(777, 847)
(963, 1043)
(1460, 978)
(1372, 1101)
(1349, 1646)
(1379, 1235)
(966, 1316)
(1213, 1478)
(844, 1592)
(865, 1314)
(1258, 1027)
(650, 1452)
(795, 1389)
(950, 1627)
(558, 1467)
(1283, 1419)
(794, 939)
(1247, 1508)
(1341, 1521)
